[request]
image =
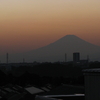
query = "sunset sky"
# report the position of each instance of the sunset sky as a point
(29, 24)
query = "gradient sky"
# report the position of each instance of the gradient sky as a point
(30, 24)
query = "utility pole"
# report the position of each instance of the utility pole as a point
(65, 57)
(7, 57)
(88, 60)
(23, 60)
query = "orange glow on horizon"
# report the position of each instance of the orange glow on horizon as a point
(27, 25)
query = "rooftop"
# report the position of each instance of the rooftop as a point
(92, 70)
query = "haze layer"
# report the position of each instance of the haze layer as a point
(30, 24)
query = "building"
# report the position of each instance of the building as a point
(92, 84)
(64, 92)
(16, 92)
(76, 57)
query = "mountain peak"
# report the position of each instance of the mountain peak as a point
(56, 50)
(70, 36)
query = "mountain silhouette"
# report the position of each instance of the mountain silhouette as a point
(67, 44)
(56, 51)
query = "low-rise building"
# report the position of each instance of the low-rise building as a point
(92, 84)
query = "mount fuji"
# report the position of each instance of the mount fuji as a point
(56, 51)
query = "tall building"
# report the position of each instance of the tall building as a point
(76, 57)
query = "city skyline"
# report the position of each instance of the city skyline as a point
(27, 25)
